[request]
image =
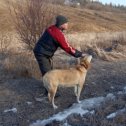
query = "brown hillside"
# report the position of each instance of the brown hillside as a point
(86, 20)
(82, 20)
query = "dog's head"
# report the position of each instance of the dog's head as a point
(85, 61)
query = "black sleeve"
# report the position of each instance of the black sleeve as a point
(77, 54)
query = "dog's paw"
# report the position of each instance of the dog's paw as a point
(76, 94)
(78, 101)
(55, 107)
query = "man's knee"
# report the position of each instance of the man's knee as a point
(44, 63)
(43, 71)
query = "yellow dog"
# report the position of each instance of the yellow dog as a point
(72, 77)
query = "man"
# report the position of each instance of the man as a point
(48, 43)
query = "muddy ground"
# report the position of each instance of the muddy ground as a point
(21, 93)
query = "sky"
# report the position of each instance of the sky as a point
(121, 2)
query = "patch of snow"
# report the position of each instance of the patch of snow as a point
(92, 112)
(66, 124)
(92, 102)
(14, 110)
(120, 93)
(76, 108)
(124, 89)
(112, 87)
(113, 115)
(29, 103)
(93, 83)
(110, 96)
(40, 99)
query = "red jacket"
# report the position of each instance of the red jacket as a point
(51, 39)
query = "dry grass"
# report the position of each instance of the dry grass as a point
(21, 64)
(107, 46)
(81, 20)
(87, 20)
(6, 23)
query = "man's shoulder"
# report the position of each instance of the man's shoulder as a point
(55, 31)
(53, 28)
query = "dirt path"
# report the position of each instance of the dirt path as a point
(23, 93)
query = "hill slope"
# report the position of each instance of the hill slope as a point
(87, 20)
(83, 20)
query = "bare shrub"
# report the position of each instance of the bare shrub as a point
(21, 64)
(31, 17)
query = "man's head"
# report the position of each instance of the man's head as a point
(62, 22)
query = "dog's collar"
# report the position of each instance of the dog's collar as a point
(84, 65)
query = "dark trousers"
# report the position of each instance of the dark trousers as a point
(44, 62)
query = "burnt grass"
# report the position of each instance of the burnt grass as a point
(103, 78)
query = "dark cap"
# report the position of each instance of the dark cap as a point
(61, 20)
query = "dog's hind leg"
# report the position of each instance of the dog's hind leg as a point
(49, 96)
(52, 96)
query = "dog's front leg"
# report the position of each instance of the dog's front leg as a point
(54, 106)
(75, 90)
(79, 88)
